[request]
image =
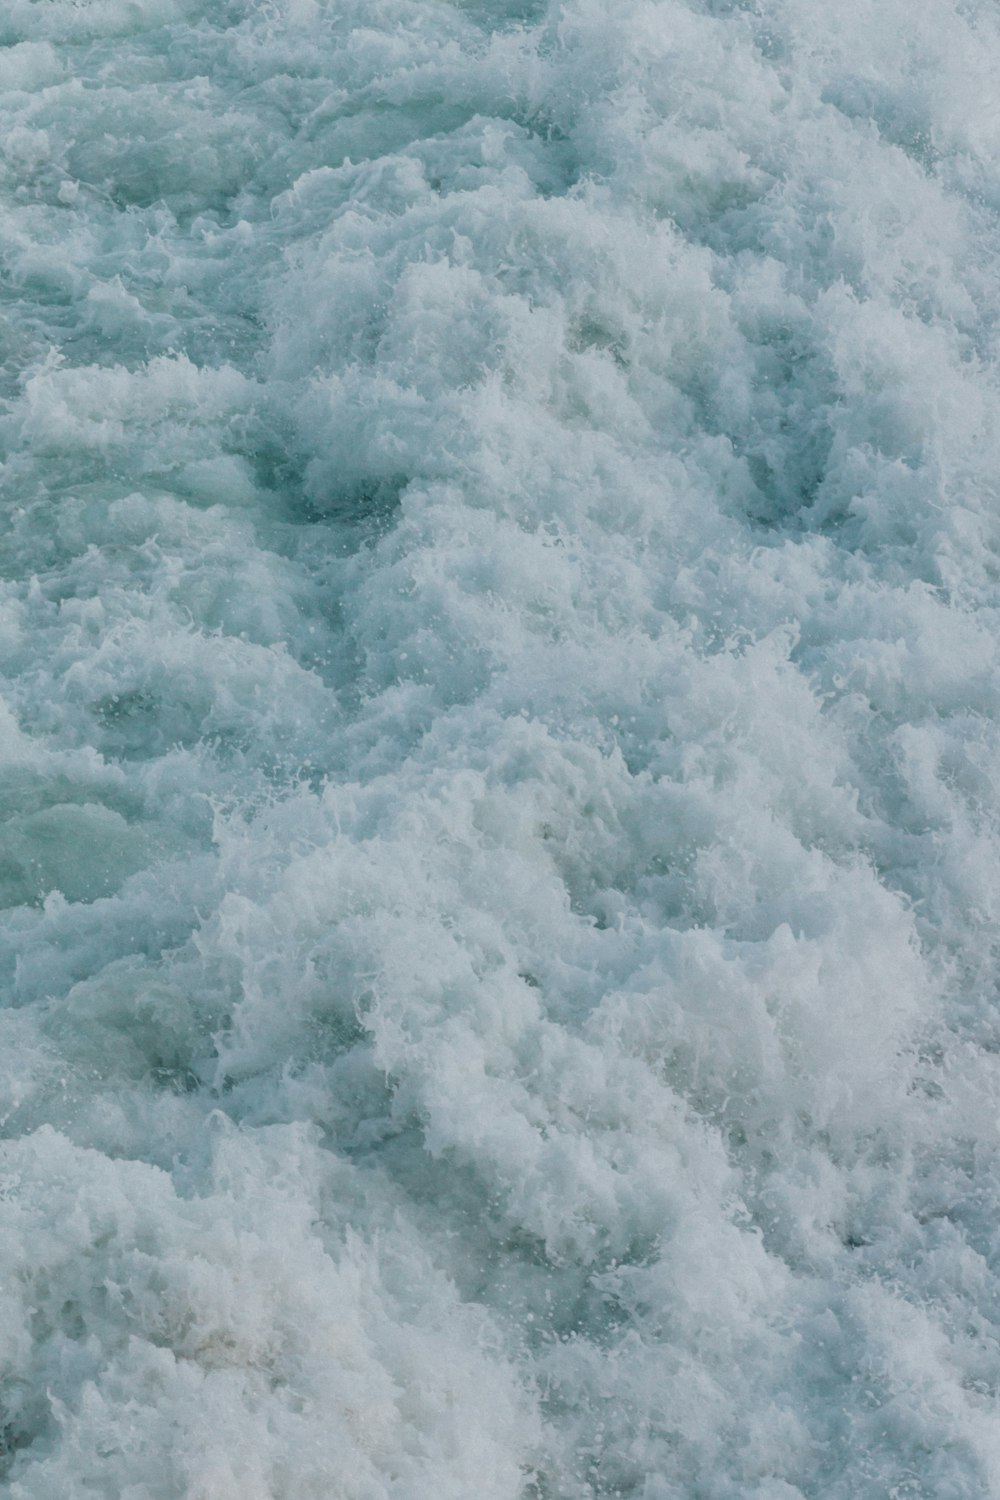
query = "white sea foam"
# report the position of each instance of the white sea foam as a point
(498, 750)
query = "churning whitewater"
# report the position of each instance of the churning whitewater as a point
(500, 749)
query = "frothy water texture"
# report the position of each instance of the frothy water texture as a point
(499, 756)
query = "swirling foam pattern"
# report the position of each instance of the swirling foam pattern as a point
(499, 756)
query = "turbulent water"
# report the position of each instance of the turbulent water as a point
(500, 749)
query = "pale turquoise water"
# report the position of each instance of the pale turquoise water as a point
(499, 756)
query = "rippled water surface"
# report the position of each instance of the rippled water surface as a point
(499, 754)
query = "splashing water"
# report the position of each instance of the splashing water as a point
(499, 765)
